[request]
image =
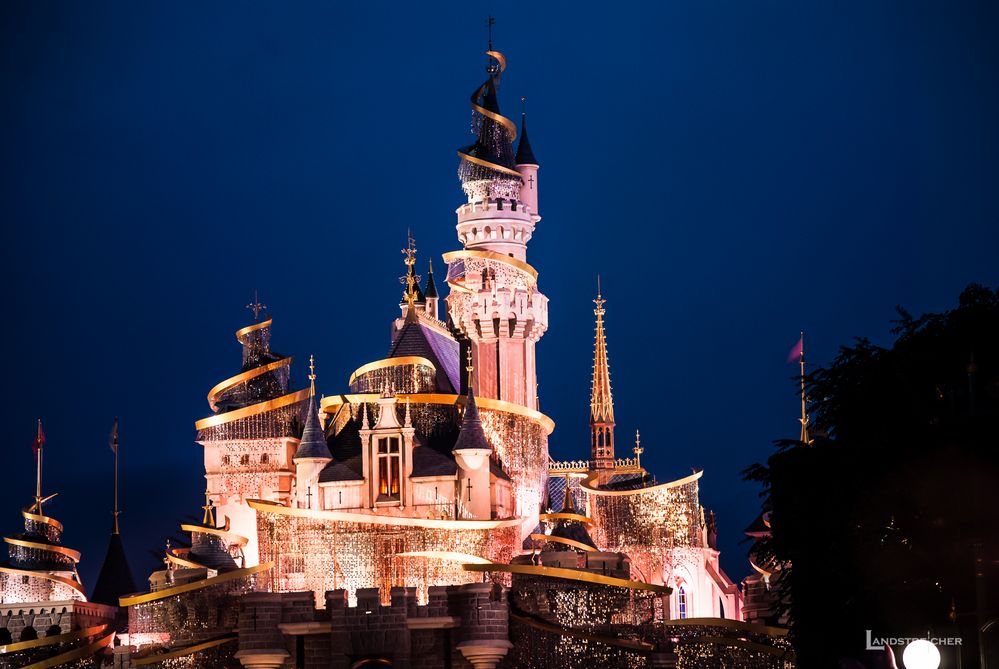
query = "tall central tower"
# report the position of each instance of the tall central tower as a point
(494, 302)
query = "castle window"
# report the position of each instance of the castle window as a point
(226, 460)
(681, 602)
(244, 459)
(388, 468)
(264, 459)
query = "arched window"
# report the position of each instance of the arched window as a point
(226, 459)
(53, 630)
(244, 459)
(28, 634)
(5, 637)
(681, 602)
(264, 459)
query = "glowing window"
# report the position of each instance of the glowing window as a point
(244, 459)
(264, 459)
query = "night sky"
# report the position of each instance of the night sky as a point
(735, 171)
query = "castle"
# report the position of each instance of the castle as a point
(416, 519)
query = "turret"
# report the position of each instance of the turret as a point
(527, 165)
(312, 454)
(472, 452)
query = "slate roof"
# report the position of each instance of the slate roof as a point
(431, 290)
(416, 338)
(428, 462)
(348, 470)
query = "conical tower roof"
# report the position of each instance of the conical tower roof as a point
(601, 400)
(471, 436)
(431, 290)
(115, 578)
(313, 444)
(525, 156)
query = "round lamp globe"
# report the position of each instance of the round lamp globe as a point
(921, 654)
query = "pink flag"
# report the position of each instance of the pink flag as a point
(795, 354)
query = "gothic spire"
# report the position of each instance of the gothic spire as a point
(431, 290)
(601, 401)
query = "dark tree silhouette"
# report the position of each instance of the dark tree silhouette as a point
(882, 518)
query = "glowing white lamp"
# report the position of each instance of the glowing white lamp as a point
(921, 654)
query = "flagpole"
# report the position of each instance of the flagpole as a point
(38, 469)
(114, 446)
(804, 399)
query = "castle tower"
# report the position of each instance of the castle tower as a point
(430, 293)
(601, 401)
(494, 301)
(251, 438)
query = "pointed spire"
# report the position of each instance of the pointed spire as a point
(38, 447)
(601, 401)
(409, 419)
(114, 449)
(471, 436)
(365, 425)
(638, 450)
(313, 443)
(525, 155)
(431, 290)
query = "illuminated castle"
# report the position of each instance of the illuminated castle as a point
(417, 519)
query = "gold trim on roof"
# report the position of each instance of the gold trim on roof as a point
(174, 556)
(374, 519)
(390, 362)
(242, 332)
(142, 598)
(330, 404)
(77, 654)
(218, 532)
(451, 256)
(47, 576)
(486, 163)
(183, 652)
(586, 484)
(29, 515)
(220, 388)
(61, 550)
(252, 410)
(49, 640)
(538, 536)
(562, 515)
(569, 575)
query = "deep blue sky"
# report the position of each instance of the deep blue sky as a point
(735, 171)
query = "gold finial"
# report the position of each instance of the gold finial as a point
(600, 301)
(256, 307)
(805, 438)
(638, 450)
(469, 367)
(411, 278)
(312, 375)
(37, 446)
(209, 518)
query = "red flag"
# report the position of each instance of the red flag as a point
(39, 441)
(114, 435)
(799, 348)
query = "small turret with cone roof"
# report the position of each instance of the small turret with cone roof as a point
(430, 293)
(312, 454)
(528, 167)
(472, 452)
